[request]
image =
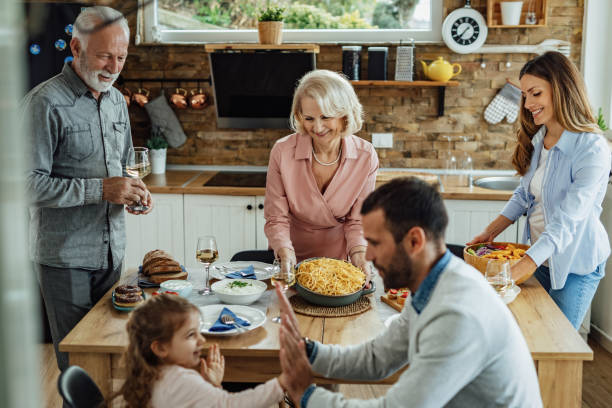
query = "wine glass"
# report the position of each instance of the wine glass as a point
(283, 274)
(498, 276)
(206, 254)
(466, 166)
(138, 166)
(450, 163)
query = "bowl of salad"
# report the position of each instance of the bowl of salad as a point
(479, 255)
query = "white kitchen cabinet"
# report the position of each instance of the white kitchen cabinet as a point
(467, 218)
(232, 220)
(162, 228)
(262, 240)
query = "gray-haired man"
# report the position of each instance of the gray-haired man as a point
(80, 137)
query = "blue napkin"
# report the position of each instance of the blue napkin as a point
(249, 273)
(219, 326)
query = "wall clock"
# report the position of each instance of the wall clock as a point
(464, 30)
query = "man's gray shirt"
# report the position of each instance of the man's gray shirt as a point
(75, 142)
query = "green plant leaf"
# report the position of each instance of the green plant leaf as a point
(272, 14)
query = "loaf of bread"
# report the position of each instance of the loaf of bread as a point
(159, 262)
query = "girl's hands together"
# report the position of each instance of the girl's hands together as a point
(213, 368)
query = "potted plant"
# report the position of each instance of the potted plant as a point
(158, 147)
(270, 25)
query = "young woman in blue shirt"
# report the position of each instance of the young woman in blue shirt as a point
(564, 162)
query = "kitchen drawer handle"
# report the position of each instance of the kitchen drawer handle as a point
(249, 207)
(260, 206)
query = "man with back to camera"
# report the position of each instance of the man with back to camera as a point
(80, 135)
(462, 343)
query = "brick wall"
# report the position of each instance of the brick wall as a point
(409, 113)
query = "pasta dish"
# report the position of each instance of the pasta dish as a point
(330, 277)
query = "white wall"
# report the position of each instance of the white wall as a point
(597, 70)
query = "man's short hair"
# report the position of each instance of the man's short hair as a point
(93, 18)
(409, 202)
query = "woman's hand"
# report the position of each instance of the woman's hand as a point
(358, 258)
(523, 269)
(482, 237)
(287, 258)
(496, 227)
(213, 367)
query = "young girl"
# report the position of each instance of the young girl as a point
(164, 367)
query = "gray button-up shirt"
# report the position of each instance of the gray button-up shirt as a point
(76, 141)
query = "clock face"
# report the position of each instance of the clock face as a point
(464, 30)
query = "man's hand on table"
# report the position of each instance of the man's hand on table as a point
(297, 372)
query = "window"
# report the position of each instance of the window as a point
(312, 21)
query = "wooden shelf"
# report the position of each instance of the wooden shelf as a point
(404, 83)
(256, 46)
(412, 84)
(494, 19)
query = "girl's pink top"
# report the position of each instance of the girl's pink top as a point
(298, 216)
(180, 387)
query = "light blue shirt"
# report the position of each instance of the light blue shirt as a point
(573, 188)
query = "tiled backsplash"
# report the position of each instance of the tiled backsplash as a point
(409, 113)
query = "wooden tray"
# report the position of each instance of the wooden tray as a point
(392, 302)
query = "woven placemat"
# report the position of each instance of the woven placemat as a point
(303, 307)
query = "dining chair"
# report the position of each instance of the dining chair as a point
(456, 250)
(78, 389)
(255, 255)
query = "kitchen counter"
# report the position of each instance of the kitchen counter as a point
(192, 182)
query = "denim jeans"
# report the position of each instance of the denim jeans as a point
(576, 296)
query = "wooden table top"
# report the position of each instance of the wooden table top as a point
(192, 182)
(548, 333)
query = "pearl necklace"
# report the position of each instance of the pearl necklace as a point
(326, 164)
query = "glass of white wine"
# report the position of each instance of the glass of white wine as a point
(284, 275)
(138, 166)
(498, 276)
(206, 254)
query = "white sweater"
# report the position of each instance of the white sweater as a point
(180, 387)
(464, 350)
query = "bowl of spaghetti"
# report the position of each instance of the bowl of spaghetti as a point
(330, 282)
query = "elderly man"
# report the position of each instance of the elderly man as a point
(80, 137)
(462, 343)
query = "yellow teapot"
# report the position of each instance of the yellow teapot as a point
(441, 70)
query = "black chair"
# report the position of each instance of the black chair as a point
(456, 250)
(258, 255)
(78, 389)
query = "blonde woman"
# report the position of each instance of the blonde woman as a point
(319, 176)
(565, 164)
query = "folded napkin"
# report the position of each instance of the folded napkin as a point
(219, 326)
(246, 273)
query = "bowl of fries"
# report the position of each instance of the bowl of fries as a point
(479, 255)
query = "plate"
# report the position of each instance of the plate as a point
(511, 294)
(262, 270)
(390, 319)
(126, 309)
(210, 314)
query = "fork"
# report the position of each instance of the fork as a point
(227, 319)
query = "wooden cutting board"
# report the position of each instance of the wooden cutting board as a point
(386, 176)
(392, 302)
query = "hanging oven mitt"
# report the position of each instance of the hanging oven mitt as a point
(505, 104)
(164, 118)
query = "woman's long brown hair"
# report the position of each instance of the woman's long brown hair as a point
(570, 103)
(155, 320)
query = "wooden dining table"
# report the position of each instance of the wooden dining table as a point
(99, 339)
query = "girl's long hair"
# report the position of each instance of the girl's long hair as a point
(155, 320)
(571, 106)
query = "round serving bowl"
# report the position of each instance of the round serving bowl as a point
(237, 298)
(480, 263)
(180, 286)
(329, 300)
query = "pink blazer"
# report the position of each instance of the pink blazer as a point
(298, 216)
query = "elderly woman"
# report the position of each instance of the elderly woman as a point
(319, 176)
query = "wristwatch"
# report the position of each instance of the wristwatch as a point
(309, 346)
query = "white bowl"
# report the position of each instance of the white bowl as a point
(182, 287)
(251, 292)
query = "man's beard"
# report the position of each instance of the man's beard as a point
(91, 77)
(399, 273)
